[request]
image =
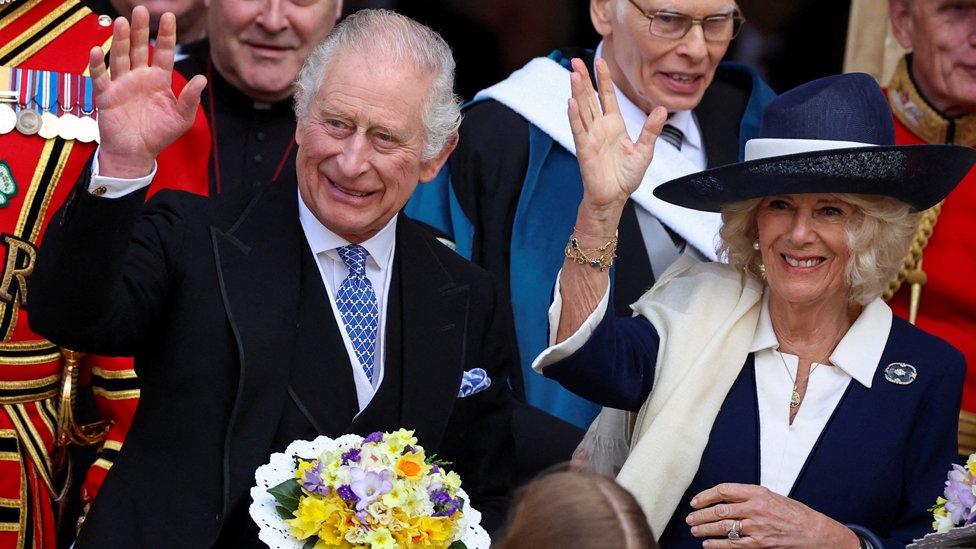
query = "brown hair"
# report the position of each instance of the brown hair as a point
(575, 509)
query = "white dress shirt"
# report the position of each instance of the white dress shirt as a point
(661, 250)
(323, 244)
(783, 448)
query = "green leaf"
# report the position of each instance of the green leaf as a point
(287, 494)
(310, 544)
(458, 545)
(284, 513)
(434, 459)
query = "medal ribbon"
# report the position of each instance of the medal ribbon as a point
(49, 95)
(6, 91)
(88, 107)
(24, 88)
(64, 94)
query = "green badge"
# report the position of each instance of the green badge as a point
(8, 187)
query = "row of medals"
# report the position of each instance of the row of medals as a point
(46, 124)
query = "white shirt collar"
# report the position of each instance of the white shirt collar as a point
(635, 117)
(858, 352)
(321, 239)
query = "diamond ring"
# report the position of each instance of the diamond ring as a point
(736, 531)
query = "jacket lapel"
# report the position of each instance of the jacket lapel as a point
(433, 329)
(321, 386)
(258, 266)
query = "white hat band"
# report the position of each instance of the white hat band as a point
(767, 147)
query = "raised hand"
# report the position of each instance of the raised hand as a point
(611, 164)
(138, 113)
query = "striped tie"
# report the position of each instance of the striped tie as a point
(672, 135)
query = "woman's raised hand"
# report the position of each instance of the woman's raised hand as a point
(138, 113)
(611, 164)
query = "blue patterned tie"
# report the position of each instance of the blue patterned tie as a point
(356, 302)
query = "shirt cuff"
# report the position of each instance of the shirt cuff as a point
(113, 187)
(558, 351)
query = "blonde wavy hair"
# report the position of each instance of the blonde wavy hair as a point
(878, 240)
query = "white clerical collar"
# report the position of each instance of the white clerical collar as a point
(858, 352)
(321, 239)
(634, 117)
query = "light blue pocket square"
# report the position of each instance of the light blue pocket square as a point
(473, 382)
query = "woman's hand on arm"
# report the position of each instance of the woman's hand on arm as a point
(766, 519)
(612, 167)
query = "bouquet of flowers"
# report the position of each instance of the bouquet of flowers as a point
(381, 491)
(954, 512)
(957, 506)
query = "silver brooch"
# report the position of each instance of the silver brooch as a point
(900, 373)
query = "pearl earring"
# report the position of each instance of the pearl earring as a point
(755, 245)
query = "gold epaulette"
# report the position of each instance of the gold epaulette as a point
(911, 266)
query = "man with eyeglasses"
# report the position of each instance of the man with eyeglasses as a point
(507, 198)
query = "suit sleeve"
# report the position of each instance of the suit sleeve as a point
(615, 366)
(104, 269)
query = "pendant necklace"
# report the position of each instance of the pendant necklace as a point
(795, 397)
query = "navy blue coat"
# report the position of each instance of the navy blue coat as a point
(880, 462)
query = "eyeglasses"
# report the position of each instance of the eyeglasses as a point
(674, 25)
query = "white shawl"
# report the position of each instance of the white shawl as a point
(706, 315)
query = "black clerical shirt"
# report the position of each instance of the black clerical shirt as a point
(254, 141)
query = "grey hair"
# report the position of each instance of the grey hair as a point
(878, 241)
(399, 39)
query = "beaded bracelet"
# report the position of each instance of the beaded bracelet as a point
(599, 258)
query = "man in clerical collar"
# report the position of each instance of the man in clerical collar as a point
(933, 97)
(251, 58)
(508, 196)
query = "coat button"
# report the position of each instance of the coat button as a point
(218, 517)
(104, 20)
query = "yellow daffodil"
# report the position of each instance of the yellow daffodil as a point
(309, 516)
(411, 466)
(381, 538)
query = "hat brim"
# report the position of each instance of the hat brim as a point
(919, 175)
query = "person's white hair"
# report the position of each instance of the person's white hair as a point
(673, 4)
(397, 38)
(878, 241)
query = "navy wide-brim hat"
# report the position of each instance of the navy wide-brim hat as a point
(832, 135)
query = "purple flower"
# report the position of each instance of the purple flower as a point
(345, 492)
(351, 455)
(444, 504)
(374, 437)
(436, 469)
(313, 480)
(439, 497)
(369, 485)
(959, 496)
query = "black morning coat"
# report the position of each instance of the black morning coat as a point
(239, 353)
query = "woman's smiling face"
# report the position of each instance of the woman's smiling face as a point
(804, 246)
